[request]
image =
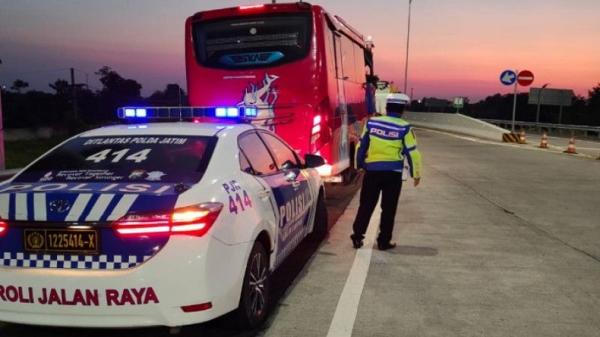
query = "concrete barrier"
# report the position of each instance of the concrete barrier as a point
(455, 123)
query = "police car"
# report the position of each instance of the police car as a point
(155, 224)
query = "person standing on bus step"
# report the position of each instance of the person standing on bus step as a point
(385, 142)
(370, 88)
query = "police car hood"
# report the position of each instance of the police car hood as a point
(83, 202)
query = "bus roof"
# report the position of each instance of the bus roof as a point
(252, 10)
(335, 21)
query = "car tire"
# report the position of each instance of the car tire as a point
(254, 301)
(321, 218)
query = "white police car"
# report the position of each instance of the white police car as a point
(154, 224)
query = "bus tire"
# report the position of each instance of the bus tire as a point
(349, 175)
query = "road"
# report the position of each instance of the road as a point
(588, 147)
(498, 240)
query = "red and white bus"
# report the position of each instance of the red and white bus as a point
(303, 68)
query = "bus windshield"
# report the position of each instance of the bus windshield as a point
(252, 42)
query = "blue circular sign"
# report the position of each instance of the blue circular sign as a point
(508, 77)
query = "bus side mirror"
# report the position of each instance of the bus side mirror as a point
(312, 160)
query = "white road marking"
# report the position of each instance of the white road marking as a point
(347, 307)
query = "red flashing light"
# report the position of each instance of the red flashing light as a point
(196, 307)
(3, 228)
(251, 7)
(193, 220)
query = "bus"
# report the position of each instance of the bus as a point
(302, 68)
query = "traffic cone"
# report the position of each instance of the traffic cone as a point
(522, 137)
(571, 148)
(544, 142)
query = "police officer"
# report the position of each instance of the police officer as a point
(385, 142)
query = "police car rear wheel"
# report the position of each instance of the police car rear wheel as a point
(254, 303)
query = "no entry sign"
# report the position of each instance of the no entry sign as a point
(525, 78)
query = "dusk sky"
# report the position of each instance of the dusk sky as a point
(458, 47)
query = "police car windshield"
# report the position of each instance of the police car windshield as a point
(142, 159)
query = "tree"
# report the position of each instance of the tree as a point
(115, 84)
(173, 95)
(594, 104)
(19, 85)
(116, 92)
(61, 87)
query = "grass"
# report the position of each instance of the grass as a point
(22, 152)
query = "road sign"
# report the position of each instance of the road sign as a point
(458, 102)
(525, 78)
(554, 97)
(508, 77)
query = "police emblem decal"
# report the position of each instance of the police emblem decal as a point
(35, 241)
(59, 206)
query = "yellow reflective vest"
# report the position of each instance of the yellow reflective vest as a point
(384, 144)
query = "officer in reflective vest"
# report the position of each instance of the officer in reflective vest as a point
(385, 143)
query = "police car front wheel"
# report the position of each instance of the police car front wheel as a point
(321, 225)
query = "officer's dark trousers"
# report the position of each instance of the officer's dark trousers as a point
(389, 184)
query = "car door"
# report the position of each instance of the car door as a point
(258, 163)
(292, 194)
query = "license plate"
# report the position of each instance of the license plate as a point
(61, 240)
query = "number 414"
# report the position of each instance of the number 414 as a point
(101, 156)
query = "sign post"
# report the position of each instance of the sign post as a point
(509, 77)
(458, 103)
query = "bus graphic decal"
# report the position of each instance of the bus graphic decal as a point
(263, 98)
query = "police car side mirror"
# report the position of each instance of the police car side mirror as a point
(312, 160)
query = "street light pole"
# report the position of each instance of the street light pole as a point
(539, 103)
(407, 48)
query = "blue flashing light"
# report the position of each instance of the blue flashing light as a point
(250, 112)
(141, 113)
(129, 112)
(220, 112)
(233, 112)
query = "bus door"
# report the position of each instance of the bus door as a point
(342, 109)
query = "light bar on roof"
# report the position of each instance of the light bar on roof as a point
(233, 112)
(186, 113)
(141, 113)
(220, 112)
(250, 112)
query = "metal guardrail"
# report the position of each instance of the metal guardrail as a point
(7, 174)
(587, 130)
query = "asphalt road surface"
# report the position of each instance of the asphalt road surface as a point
(498, 240)
(587, 147)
